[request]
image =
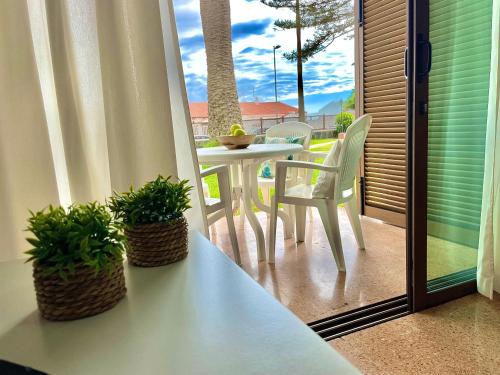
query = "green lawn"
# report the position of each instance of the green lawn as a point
(211, 181)
(321, 141)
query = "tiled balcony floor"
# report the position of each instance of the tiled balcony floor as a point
(460, 337)
(305, 278)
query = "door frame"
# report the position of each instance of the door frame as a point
(417, 96)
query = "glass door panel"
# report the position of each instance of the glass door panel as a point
(449, 66)
(460, 36)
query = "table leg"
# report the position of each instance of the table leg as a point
(248, 191)
(287, 222)
(235, 185)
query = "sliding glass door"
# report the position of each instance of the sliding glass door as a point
(451, 56)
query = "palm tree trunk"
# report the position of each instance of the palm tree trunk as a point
(300, 80)
(223, 105)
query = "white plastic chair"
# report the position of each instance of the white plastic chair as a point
(342, 191)
(291, 129)
(223, 206)
(287, 129)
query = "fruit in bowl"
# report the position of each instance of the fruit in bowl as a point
(235, 127)
(237, 139)
(239, 133)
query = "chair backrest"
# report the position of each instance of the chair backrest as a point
(350, 153)
(292, 129)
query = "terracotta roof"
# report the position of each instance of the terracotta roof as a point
(200, 109)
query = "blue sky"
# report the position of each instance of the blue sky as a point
(328, 76)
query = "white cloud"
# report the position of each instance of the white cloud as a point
(331, 66)
(196, 64)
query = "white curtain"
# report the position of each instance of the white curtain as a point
(488, 273)
(88, 105)
(27, 176)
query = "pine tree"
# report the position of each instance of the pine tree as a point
(330, 20)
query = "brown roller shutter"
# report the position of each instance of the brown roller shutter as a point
(381, 42)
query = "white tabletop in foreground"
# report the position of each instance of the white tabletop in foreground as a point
(203, 315)
(254, 151)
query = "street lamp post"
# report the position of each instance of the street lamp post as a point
(275, 79)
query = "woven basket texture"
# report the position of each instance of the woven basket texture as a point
(83, 294)
(152, 245)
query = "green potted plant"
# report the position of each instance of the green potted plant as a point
(343, 121)
(155, 226)
(77, 261)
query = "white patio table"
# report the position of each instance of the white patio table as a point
(244, 167)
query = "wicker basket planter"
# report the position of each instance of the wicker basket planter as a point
(157, 244)
(83, 294)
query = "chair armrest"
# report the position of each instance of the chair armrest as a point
(283, 164)
(218, 169)
(281, 169)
